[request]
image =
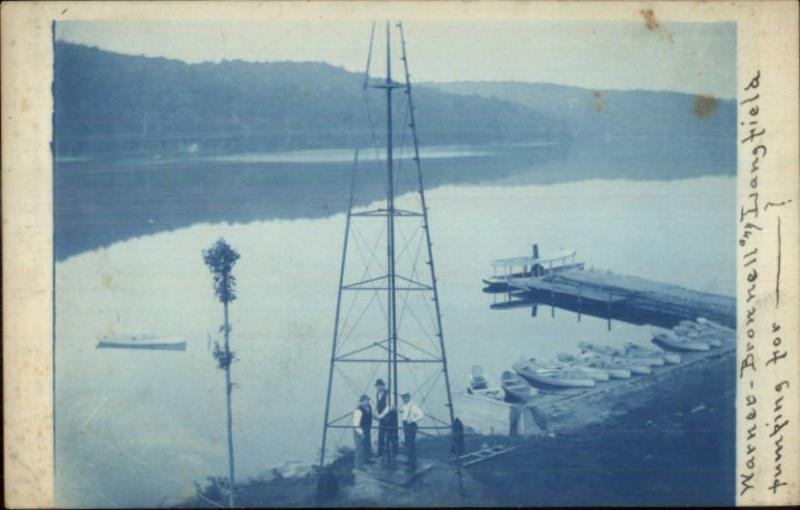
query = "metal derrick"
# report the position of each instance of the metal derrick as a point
(394, 349)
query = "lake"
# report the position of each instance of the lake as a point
(137, 428)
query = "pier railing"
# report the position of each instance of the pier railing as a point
(533, 266)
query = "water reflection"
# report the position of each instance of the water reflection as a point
(97, 203)
(127, 420)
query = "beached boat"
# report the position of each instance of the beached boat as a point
(702, 321)
(493, 393)
(706, 327)
(639, 358)
(516, 389)
(673, 358)
(681, 343)
(561, 376)
(615, 367)
(712, 338)
(480, 385)
(598, 374)
(150, 342)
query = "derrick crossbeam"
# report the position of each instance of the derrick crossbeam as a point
(382, 213)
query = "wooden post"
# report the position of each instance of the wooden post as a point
(580, 302)
(535, 256)
(608, 310)
(552, 302)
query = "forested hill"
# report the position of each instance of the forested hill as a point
(110, 103)
(617, 114)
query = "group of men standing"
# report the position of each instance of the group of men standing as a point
(386, 415)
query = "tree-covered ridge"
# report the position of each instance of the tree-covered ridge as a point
(109, 102)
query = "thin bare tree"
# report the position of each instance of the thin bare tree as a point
(220, 259)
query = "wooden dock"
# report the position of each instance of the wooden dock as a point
(627, 296)
(608, 295)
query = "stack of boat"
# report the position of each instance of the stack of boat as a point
(512, 387)
(595, 363)
(700, 335)
(598, 363)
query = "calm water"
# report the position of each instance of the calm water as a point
(129, 421)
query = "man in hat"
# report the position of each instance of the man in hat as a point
(412, 414)
(362, 426)
(387, 420)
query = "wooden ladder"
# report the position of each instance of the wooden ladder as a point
(483, 454)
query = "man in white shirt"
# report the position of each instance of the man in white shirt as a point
(412, 414)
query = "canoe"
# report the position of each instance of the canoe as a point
(615, 367)
(635, 365)
(598, 374)
(639, 358)
(673, 358)
(705, 326)
(702, 335)
(149, 342)
(561, 376)
(491, 392)
(480, 385)
(517, 390)
(681, 343)
(478, 381)
(714, 325)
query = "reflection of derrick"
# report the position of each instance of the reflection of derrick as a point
(388, 321)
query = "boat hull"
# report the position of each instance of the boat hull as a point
(614, 369)
(549, 378)
(500, 283)
(516, 389)
(640, 369)
(600, 375)
(156, 346)
(633, 358)
(671, 358)
(490, 393)
(677, 343)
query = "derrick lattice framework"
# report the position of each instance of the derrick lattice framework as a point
(388, 321)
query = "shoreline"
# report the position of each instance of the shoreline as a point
(650, 445)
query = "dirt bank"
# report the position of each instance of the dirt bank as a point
(673, 444)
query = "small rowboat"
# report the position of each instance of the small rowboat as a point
(693, 333)
(151, 342)
(480, 386)
(681, 343)
(561, 376)
(517, 390)
(702, 321)
(705, 326)
(639, 358)
(493, 393)
(597, 374)
(615, 367)
(673, 358)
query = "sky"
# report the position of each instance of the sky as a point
(697, 58)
